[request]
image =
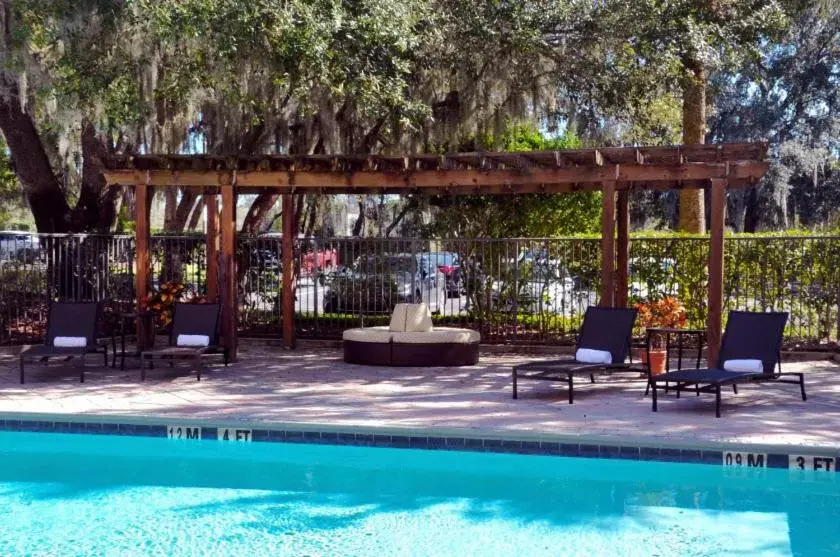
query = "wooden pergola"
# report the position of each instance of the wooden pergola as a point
(615, 171)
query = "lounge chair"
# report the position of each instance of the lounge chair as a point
(71, 331)
(749, 353)
(602, 346)
(194, 333)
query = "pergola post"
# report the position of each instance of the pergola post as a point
(715, 313)
(212, 215)
(622, 270)
(288, 261)
(608, 244)
(230, 305)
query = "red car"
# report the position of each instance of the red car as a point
(324, 260)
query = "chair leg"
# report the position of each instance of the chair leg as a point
(697, 389)
(226, 356)
(515, 394)
(591, 377)
(571, 388)
(717, 401)
(21, 369)
(647, 387)
(735, 388)
(652, 386)
(802, 386)
(678, 387)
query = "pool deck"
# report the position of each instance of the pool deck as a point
(313, 387)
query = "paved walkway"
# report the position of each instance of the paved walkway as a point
(315, 386)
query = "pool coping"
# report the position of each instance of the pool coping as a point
(747, 455)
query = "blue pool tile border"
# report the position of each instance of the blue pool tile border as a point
(409, 441)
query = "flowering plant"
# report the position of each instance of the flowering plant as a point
(665, 312)
(163, 301)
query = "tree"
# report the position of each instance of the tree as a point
(533, 215)
(48, 103)
(685, 41)
(789, 96)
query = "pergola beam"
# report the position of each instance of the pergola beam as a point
(457, 181)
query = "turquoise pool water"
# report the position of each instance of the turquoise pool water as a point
(99, 495)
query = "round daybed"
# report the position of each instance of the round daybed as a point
(411, 340)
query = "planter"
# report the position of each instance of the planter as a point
(657, 360)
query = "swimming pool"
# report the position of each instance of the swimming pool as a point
(105, 495)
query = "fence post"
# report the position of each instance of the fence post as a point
(515, 289)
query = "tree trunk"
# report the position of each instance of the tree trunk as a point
(258, 212)
(692, 213)
(197, 213)
(170, 205)
(183, 209)
(410, 205)
(751, 209)
(309, 228)
(359, 225)
(32, 165)
(97, 206)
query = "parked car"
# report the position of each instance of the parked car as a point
(323, 261)
(652, 277)
(537, 285)
(264, 259)
(448, 264)
(18, 246)
(374, 284)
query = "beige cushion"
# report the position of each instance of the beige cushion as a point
(398, 318)
(418, 318)
(368, 334)
(440, 335)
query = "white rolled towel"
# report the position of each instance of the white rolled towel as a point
(193, 340)
(752, 366)
(70, 342)
(591, 356)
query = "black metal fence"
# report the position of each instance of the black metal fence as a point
(531, 291)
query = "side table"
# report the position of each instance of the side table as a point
(680, 334)
(144, 337)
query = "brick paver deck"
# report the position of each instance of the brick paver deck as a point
(315, 387)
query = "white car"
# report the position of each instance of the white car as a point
(659, 277)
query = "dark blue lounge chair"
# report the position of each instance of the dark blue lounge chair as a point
(748, 336)
(69, 320)
(189, 320)
(604, 329)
